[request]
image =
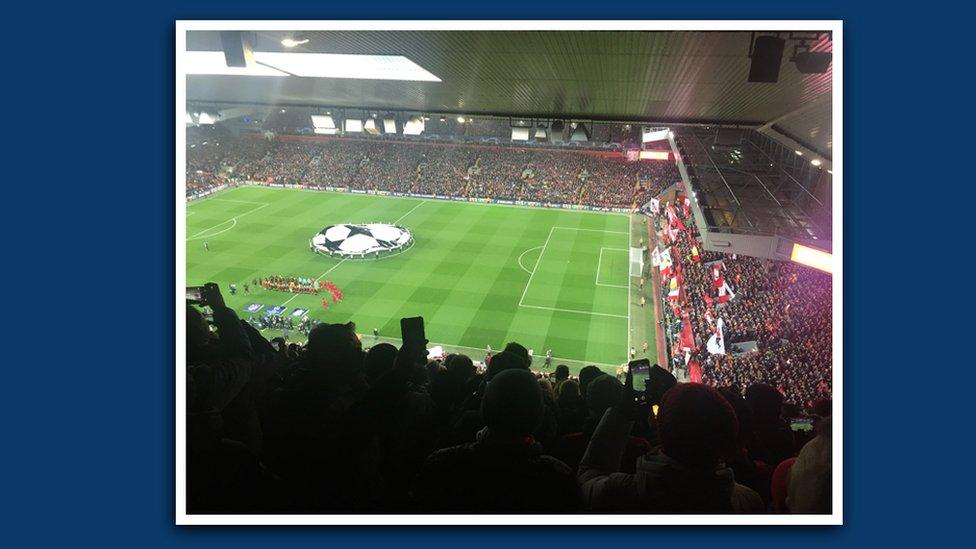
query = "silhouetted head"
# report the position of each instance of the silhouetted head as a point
(659, 381)
(519, 351)
(334, 349)
(562, 371)
(379, 360)
(512, 404)
(766, 403)
(602, 393)
(459, 367)
(504, 361)
(568, 392)
(697, 425)
(586, 375)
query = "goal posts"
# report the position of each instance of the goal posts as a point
(636, 261)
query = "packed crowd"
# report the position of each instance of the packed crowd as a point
(783, 307)
(331, 427)
(537, 175)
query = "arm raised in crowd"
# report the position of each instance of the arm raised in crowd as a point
(602, 486)
(216, 382)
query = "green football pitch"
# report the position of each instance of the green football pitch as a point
(479, 274)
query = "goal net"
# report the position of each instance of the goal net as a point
(636, 261)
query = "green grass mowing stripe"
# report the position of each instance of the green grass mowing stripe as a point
(470, 258)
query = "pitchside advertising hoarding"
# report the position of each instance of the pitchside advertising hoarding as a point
(222, 187)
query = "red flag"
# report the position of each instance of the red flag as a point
(686, 340)
(675, 220)
(694, 372)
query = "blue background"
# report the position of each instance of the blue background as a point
(88, 402)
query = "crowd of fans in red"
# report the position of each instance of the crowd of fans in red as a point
(784, 307)
(549, 176)
(331, 427)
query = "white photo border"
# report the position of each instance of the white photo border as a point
(837, 92)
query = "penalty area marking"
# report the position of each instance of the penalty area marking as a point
(594, 313)
(523, 255)
(232, 221)
(599, 265)
(536, 267)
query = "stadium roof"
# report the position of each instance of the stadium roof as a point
(659, 76)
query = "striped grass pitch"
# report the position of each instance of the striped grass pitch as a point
(479, 274)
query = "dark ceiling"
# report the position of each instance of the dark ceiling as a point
(670, 77)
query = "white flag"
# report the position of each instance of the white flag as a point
(716, 343)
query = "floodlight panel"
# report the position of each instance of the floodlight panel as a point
(812, 257)
(654, 155)
(649, 135)
(322, 121)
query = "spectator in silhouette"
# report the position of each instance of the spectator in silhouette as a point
(772, 440)
(602, 393)
(520, 351)
(586, 375)
(570, 407)
(505, 469)
(223, 474)
(307, 438)
(379, 360)
(686, 475)
(810, 483)
(561, 375)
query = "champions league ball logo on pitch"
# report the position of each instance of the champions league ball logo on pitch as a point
(371, 240)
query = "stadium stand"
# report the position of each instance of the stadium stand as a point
(548, 176)
(783, 308)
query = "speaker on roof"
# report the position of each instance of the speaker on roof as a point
(812, 62)
(556, 130)
(767, 55)
(581, 133)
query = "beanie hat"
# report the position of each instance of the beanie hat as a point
(697, 425)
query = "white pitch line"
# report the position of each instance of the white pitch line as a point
(590, 230)
(238, 201)
(523, 255)
(630, 282)
(534, 269)
(422, 202)
(600, 263)
(233, 219)
(575, 311)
